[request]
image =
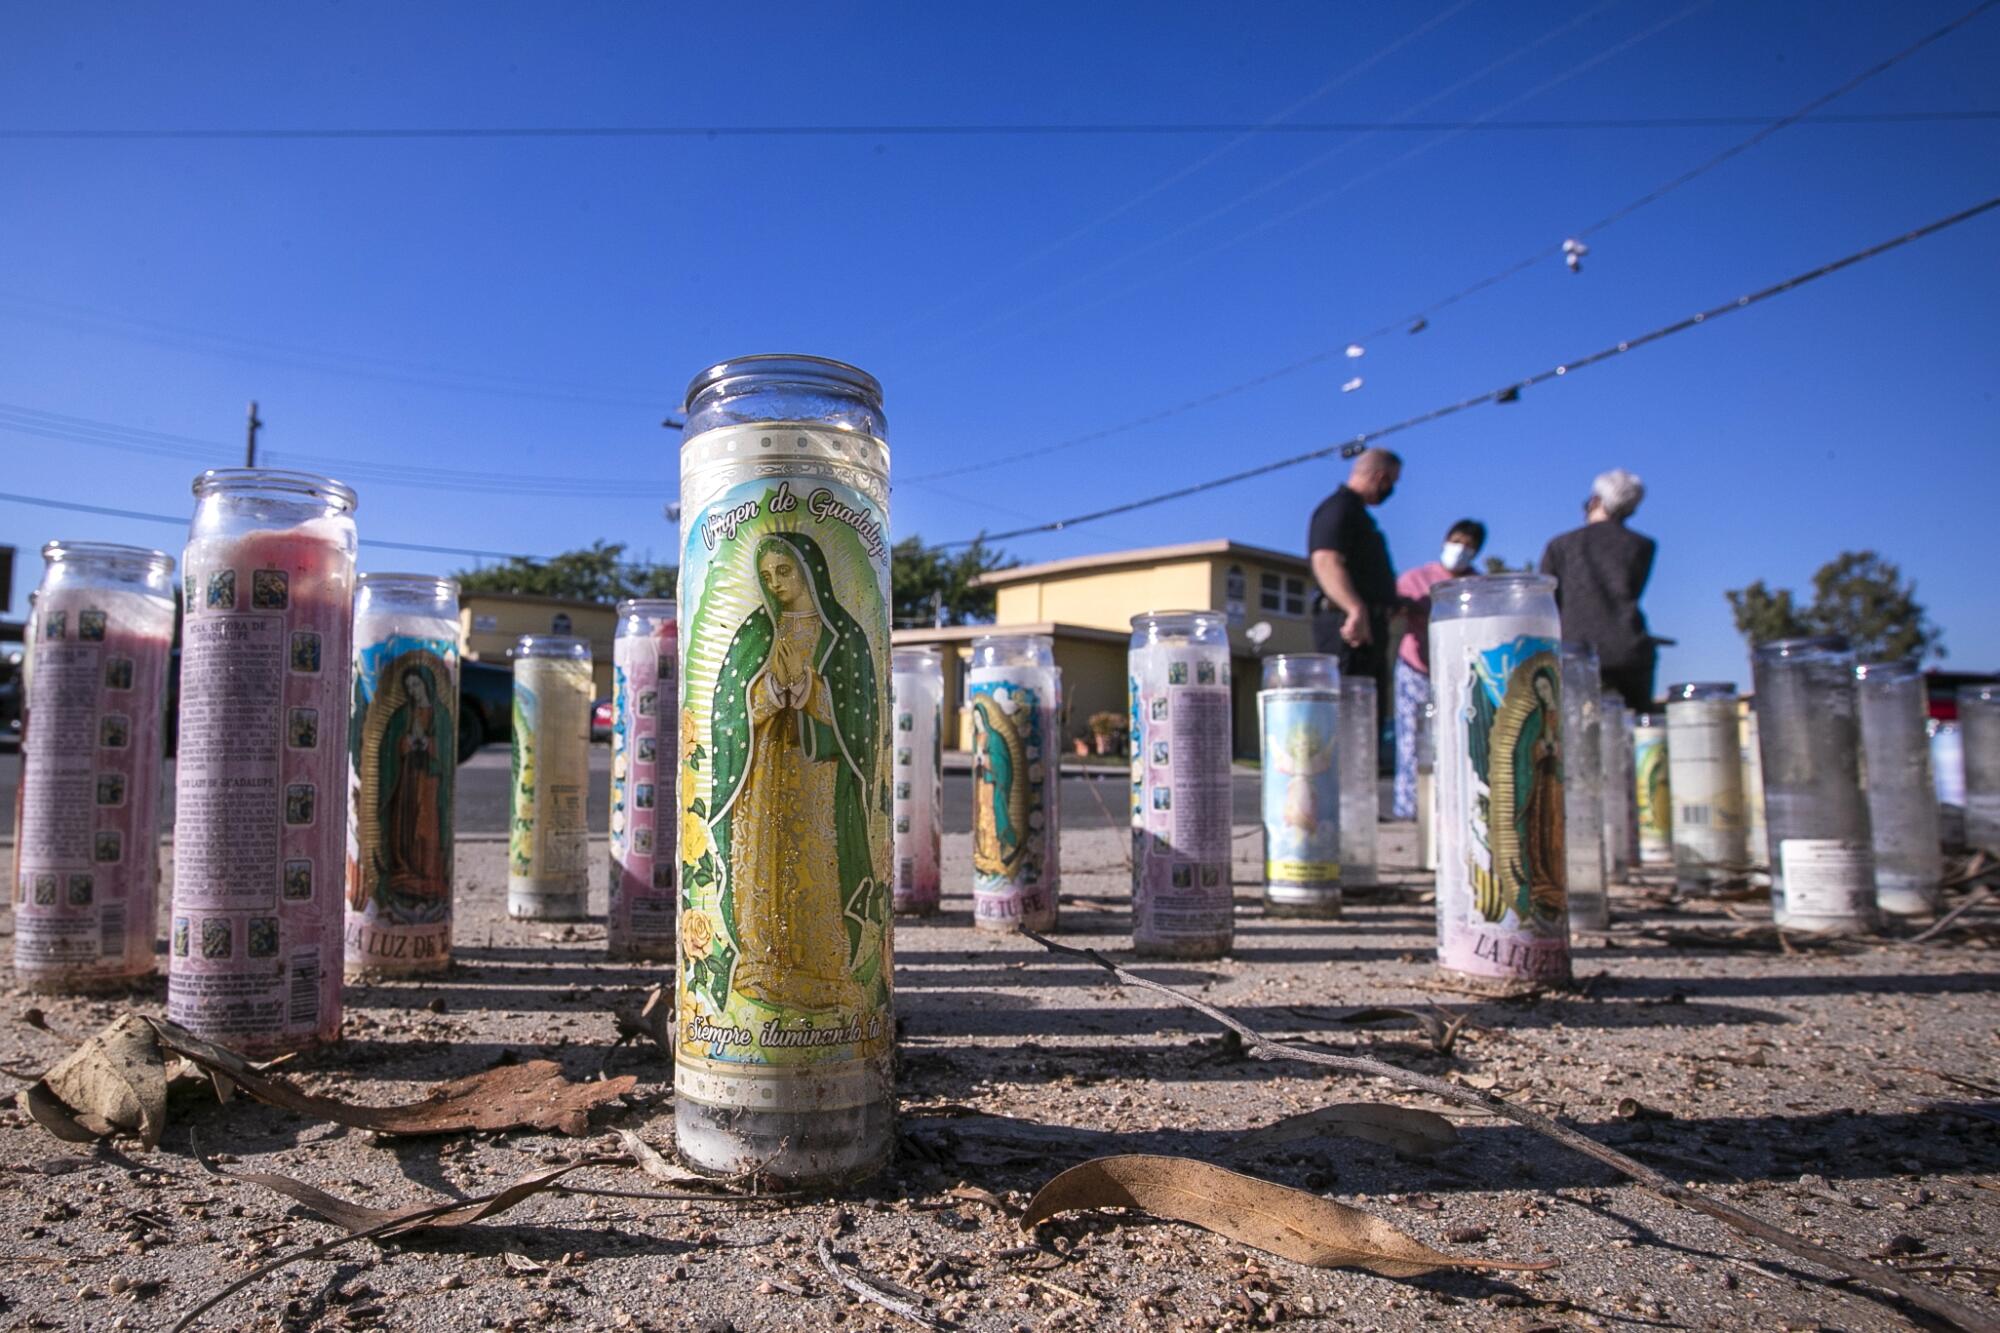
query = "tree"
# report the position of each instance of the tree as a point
(1498, 565)
(1857, 595)
(596, 573)
(926, 582)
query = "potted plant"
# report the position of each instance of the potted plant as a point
(1082, 743)
(1108, 731)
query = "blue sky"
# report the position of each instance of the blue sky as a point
(534, 306)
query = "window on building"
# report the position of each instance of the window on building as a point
(1284, 594)
(559, 623)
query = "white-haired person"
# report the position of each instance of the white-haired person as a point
(1601, 570)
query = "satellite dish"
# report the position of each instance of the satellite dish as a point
(1258, 633)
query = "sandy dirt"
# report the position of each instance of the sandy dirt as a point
(1845, 1094)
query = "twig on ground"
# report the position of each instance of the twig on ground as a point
(1749, 1224)
(1125, 844)
(1949, 919)
(868, 1291)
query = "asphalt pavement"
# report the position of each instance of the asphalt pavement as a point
(1096, 801)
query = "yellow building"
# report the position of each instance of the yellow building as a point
(492, 621)
(1086, 603)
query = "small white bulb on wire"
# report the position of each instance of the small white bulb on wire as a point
(1355, 351)
(1573, 253)
(1351, 385)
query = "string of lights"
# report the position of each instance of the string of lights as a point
(1086, 129)
(1506, 393)
(1416, 320)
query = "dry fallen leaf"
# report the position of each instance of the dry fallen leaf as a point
(115, 1083)
(533, 1094)
(1411, 1132)
(356, 1217)
(657, 1166)
(1276, 1218)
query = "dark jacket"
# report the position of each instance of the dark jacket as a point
(1600, 571)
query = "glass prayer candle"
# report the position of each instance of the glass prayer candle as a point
(645, 767)
(786, 1022)
(1503, 913)
(1948, 770)
(1979, 746)
(1902, 797)
(87, 825)
(1705, 775)
(1614, 724)
(1653, 801)
(260, 819)
(403, 766)
(1360, 782)
(917, 804)
(1299, 714)
(1822, 862)
(1756, 843)
(1183, 905)
(1014, 694)
(548, 842)
(1583, 787)
(1427, 837)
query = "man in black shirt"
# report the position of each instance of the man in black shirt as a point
(1600, 570)
(1350, 562)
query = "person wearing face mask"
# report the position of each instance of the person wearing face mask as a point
(1600, 570)
(1462, 545)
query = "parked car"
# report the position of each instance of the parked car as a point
(600, 721)
(485, 704)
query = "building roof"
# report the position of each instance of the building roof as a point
(967, 633)
(1145, 555)
(535, 597)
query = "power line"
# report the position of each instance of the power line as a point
(160, 333)
(45, 503)
(68, 429)
(1415, 320)
(1088, 129)
(1506, 393)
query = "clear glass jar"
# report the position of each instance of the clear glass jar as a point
(1756, 842)
(1979, 746)
(1426, 747)
(1183, 905)
(1822, 861)
(1583, 787)
(639, 918)
(1705, 774)
(1014, 695)
(404, 746)
(86, 887)
(260, 828)
(1360, 782)
(1299, 712)
(1503, 916)
(548, 842)
(1302, 671)
(786, 933)
(1902, 796)
(1614, 728)
(917, 803)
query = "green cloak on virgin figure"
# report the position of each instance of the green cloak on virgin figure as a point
(796, 734)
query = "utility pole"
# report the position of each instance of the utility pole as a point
(255, 425)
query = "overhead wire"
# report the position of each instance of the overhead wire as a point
(1081, 129)
(1412, 320)
(1240, 198)
(44, 502)
(65, 428)
(1345, 76)
(1506, 393)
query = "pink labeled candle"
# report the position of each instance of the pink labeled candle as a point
(260, 824)
(87, 882)
(645, 761)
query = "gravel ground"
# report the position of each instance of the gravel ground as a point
(1816, 1087)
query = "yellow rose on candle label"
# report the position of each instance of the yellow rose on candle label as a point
(694, 836)
(696, 933)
